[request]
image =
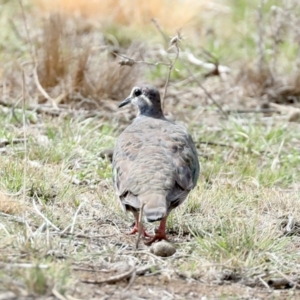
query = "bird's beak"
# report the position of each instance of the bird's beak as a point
(125, 102)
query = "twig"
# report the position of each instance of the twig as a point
(43, 216)
(250, 111)
(40, 229)
(112, 279)
(156, 24)
(260, 42)
(215, 144)
(195, 79)
(140, 227)
(293, 281)
(131, 281)
(29, 42)
(58, 295)
(191, 74)
(128, 61)
(25, 141)
(145, 252)
(281, 282)
(209, 66)
(75, 217)
(81, 235)
(265, 284)
(143, 270)
(41, 89)
(174, 42)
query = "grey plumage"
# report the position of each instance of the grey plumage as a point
(154, 162)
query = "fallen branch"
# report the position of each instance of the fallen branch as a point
(280, 283)
(248, 111)
(212, 67)
(112, 279)
(81, 235)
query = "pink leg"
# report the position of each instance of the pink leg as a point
(160, 233)
(135, 229)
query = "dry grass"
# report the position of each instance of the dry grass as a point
(240, 225)
(10, 206)
(136, 13)
(72, 66)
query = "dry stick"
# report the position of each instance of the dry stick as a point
(28, 39)
(156, 24)
(204, 89)
(131, 281)
(265, 284)
(33, 55)
(285, 279)
(174, 42)
(251, 111)
(112, 279)
(260, 45)
(191, 74)
(23, 106)
(25, 141)
(58, 295)
(43, 216)
(75, 217)
(128, 61)
(171, 66)
(41, 89)
(140, 226)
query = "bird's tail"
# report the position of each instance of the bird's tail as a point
(155, 206)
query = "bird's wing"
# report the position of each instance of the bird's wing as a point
(125, 153)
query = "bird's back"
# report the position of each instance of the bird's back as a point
(155, 162)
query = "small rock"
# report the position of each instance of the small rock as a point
(163, 249)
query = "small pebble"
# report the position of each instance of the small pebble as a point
(163, 249)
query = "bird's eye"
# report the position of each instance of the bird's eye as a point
(137, 92)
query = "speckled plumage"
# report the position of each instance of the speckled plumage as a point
(155, 160)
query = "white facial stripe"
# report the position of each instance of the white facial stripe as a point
(134, 99)
(147, 100)
(132, 91)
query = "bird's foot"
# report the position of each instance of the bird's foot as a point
(136, 230)
(159, 235)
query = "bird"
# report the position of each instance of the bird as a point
(155, 163)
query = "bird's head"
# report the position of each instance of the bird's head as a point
(147, 99)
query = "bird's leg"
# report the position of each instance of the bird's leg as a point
(160, 233)
(135, 229)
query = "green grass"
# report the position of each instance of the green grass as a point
(234, 214)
